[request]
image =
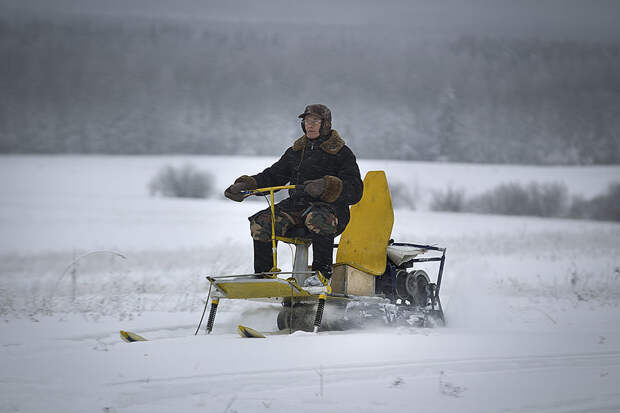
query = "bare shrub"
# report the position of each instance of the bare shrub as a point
(402, 196)
(579, 208)
(534, 199)
(182, 182)
(507, 199)
(548, 200)
(605, 207)
(451, 199)
(543, 200)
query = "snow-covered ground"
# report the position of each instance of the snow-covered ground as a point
(532, 304)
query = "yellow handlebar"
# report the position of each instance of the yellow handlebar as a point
(271, 189)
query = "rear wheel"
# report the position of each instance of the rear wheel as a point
(301, 317)
(412, 286)
(297, 317)
(283, 318)
(417, 287)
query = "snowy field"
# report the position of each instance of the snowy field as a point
(532, 304)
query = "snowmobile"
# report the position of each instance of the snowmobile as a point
(373, 281)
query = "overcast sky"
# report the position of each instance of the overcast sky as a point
(558, 19)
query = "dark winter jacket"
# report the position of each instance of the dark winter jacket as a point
(325, 157)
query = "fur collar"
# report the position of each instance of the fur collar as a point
(332, 145)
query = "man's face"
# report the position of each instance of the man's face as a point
(313, 126)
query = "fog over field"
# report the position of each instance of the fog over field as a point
(475, 81)
(554, 19)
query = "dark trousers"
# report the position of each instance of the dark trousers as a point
(322, 255)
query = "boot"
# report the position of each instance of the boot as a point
(314, 280)
(263, 260)
(323, 252)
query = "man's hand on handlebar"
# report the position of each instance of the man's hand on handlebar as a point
(241, 190)
(234, 191)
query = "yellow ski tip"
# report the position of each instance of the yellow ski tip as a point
(248, 332)
(130, 337)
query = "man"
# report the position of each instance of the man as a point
(326, 166)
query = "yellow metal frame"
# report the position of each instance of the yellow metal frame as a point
(260, 288)
(274, 239)
(247, 286)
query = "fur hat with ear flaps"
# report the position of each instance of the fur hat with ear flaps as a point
(322, 112)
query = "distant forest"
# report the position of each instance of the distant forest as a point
(154, 86)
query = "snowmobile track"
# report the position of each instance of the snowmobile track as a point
(257, 383)
(474, 365)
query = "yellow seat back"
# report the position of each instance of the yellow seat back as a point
(363, 244)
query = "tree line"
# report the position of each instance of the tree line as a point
(155, 86)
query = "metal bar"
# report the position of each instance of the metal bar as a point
(295, 241)
(260, 191)
(274, 245)
(426, 247)
(443, 260)
(290, 317)
(253, 275)
(205, 309)
(215, 278)
(299, 289)
(276, 188)
(426, 259)
(409, 264)
(443, 319)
